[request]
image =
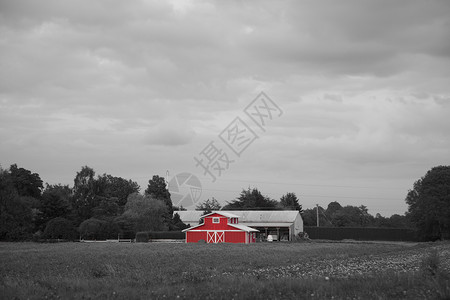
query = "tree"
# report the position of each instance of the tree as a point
(366, 219)
(55, 202)
(208, 206)
(157, 189)
(398, 221)
(380, 221)
(178, 224)
(332, 208)
(290, 201)
(110, 186)
(146, 212)
(107, 207)
(179, 208)
(347, 216)
(352, 216)
(16, 212)
(251, 199)
(101, 197)
(310, 217)
(429, 204)
(84, 199)
(25, 182)
(337, 216)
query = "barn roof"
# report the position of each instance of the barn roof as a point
(238, 226)
(223, 213)
(192, 227)
(258, 218)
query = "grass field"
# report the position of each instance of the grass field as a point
(224, 271)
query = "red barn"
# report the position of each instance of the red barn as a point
(220, 227)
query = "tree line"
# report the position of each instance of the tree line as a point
(105, 206)
(428, 208)
(335, 215)
(96, 207)
(253, 199)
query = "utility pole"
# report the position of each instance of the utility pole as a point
(317, 217)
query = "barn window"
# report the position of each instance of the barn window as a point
(216, 220)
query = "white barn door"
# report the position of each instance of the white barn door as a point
(220, 237)
(210, 237)
(215, 237)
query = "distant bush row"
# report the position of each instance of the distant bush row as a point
(145, 236)
(94, 229)
(365, 233)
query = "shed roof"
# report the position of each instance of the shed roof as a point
(267, 224)
(244, 228)
(267, 216)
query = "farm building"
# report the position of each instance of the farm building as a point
(218, 227)
(284, 224)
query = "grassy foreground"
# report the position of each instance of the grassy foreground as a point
(224, 271)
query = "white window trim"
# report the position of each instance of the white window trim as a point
(216, 220)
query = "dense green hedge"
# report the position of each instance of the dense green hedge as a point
(162, 235)
(60, 228)
(361, 233)
(142, 237)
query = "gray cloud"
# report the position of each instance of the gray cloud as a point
(143, 87)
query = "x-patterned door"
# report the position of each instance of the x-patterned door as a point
(215, 237)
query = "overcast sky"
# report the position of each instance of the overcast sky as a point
(136, 88)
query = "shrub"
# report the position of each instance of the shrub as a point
(159, 235)
(60, 228)
(168, 235)
(125, 226)
(111, 230)
(301, 237)
(142, 237)
(94, 229)
(430, 265)
(37, 236)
